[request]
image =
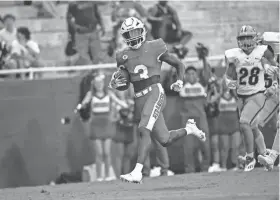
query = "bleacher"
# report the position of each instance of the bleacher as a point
(213, 23)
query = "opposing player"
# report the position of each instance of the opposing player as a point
(268, 160)
(245, 73)
(143, 59)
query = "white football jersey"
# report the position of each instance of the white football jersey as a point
(249, 69)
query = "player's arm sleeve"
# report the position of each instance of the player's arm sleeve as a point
(119, 60)
(174, 62)
(160, 48)
(230, 76)
(230, 66)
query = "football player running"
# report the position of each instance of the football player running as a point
(143, 59)
(270, 157)
(245, 73)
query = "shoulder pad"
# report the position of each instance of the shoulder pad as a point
(121, 56)
(158, 46)
(232, 54)
(273, 37)
(159, 43)
(262, 48)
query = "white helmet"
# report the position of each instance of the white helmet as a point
(133, 32)
(247, 38)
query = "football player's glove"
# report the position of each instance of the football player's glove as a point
(272, 70)
(269, 92)
(117, 81)
(177, 86)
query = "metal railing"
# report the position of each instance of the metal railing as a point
(32, 71)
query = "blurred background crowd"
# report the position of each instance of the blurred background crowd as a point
(72, 33)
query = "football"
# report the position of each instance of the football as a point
(123, 74)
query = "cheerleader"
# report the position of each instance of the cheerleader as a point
(228, 129)
(102, 126)
(125, 144)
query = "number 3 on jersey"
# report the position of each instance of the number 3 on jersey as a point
(142, 69)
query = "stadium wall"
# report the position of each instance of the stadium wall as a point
(35, 147)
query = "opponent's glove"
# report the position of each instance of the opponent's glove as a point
(177, 86)
(269, 92)
(117, 81)
(272, 70)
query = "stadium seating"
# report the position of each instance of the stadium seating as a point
(214, 24)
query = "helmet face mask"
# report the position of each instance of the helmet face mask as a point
(246, 43)
(247, 38)
(133, 32)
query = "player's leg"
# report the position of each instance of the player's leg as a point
(166, 137)
(268, 111)
(147, 167)
(249, 109)
(152, 120)
(269, 159)
(259, 140)
(149, 105)
(162, 158)
(271, 107)
(130, 151)
(190, 145)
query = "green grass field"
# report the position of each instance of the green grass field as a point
(255, 185)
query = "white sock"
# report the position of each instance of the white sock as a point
(216, 164)
(138, 168)
(273, 155)
(251, 155)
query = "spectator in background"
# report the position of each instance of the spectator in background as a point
(1, 23)
(212, 111)
(24, 50)
(83, 17)
(3, 54)
(46, 9)
(214, 91)
(71, 53)
(165, 24)
(228, 130)
(102, 128)
(8, 33)
(193, 96)
(124, 139)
